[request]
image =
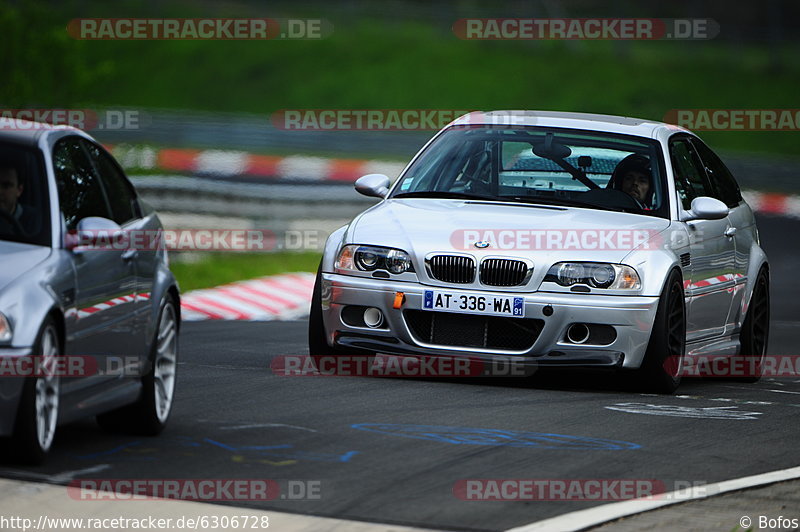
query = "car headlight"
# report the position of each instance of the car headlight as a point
(594, 274)
(371, 258)
(5, 329)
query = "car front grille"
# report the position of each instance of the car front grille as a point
(503, 272)
(452, 268)
(469, 330)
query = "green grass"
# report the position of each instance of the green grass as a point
(214, 269)
(390, 64)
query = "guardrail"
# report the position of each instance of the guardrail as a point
(264, 204)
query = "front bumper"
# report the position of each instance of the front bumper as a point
(10, 387)
(631, 317)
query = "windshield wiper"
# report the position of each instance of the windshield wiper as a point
(445, 194)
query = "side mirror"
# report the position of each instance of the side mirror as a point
(373, 185)
(705, 208)
(95, 232)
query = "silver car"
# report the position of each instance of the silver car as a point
(552, 239)
(86, 328)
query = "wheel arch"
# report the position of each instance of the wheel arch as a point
(758, 262)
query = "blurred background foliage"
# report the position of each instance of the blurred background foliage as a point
(403, 54)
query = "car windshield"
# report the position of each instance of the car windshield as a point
(541, 165)
(24, 205)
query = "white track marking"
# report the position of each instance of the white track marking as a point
(58, 478)
(598, 515)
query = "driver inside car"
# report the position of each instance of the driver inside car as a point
(11, 188)
(633, 176)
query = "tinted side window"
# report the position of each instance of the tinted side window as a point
(24, 195)
(720, 176)
(690, 176)
(120, 194)
(79, 190)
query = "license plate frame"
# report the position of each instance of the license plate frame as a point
(474, 303)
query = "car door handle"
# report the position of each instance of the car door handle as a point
(129, 254)
(730, 231)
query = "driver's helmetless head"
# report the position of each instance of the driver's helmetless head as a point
(633, 176)
(10, 189)
(637, 185)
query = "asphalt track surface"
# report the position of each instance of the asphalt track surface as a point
(233, 418)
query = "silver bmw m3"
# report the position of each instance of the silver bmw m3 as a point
(553, 239)
(87, 328)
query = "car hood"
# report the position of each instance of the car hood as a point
(18, 258)
(541, 233)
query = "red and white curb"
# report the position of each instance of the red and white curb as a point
(769, 203)
(271, 298)
(229, 163)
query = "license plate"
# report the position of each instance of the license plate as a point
(471, 303)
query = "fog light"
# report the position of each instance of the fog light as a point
(373, 317)
(578, 333)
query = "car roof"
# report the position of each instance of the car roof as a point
(588, 121)
(26, 133)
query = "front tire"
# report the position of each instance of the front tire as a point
(317, 339)
(660, 370)
(319, 350)
(37, 416)
(148, 416)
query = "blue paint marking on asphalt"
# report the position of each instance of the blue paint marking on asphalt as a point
(264, 447)
(109, 452)
(500, 438)
(186, 441)
(316, 457)
(248, 447)
(285, 451)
